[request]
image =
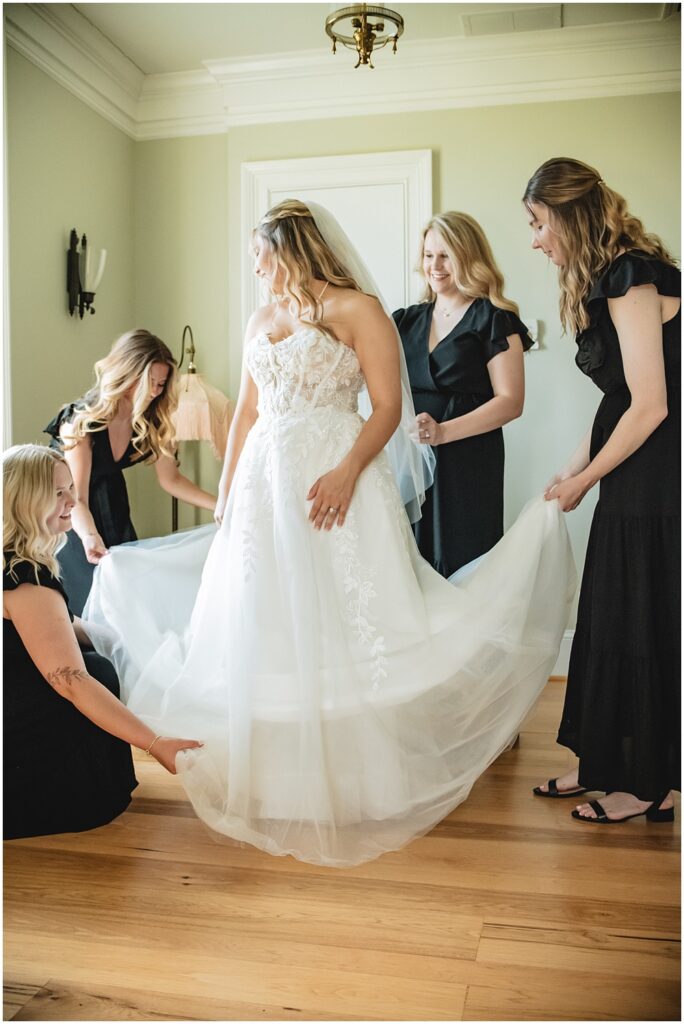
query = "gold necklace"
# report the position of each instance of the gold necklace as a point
(450, 312)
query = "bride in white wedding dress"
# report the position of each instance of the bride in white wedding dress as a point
(348, 696)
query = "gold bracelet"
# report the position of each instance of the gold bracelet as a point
(152, 744)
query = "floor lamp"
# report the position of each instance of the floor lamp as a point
(203, 413)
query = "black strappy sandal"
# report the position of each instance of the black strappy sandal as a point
(653, 813)
(555, 793)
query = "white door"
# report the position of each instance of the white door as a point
(382, 200)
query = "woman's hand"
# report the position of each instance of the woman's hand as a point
(331, 497)
(556, 479)
(220, 508)
(569, 492)
(429, 430)
(165, 749)
(94, 548)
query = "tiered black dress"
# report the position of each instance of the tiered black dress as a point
(61, 772)
(463, 511)
(108, 503)
(621, 714)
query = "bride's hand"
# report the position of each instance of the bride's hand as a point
(331, 497)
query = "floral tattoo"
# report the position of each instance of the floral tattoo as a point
(65, 677)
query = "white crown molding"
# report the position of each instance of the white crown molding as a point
(61, 42)
(529, 67)
(183, 103)
(523, 67)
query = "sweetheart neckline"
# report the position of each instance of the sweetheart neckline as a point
(304, 330)
(288, 337)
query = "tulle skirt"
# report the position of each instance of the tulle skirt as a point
(347, 695)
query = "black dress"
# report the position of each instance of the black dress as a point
(621, 714)
(108, 503)
(61, 772)
(463, 511)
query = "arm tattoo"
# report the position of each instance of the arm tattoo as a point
(62, 678)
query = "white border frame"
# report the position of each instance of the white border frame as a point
(411, 169)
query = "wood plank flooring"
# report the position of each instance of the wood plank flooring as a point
(508, 910)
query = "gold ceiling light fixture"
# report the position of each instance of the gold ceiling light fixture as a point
(353, 28)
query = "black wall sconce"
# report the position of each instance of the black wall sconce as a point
(82, 280)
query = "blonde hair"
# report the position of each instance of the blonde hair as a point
(473, 266)
(128, 363)
(300, 251)
(594, 226)
(28, 473)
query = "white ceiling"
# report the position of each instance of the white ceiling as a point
(160, 37)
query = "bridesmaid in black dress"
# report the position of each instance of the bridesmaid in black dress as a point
(464, 351)
(125, 418)
(620, 293)
(67, 763)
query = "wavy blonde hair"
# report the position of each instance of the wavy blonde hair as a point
(28, 489)
(474, 268)
(302, 254)
(127, 364)
(594, 226)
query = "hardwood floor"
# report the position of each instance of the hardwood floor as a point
(508, 910)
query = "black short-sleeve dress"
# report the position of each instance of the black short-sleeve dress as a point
(463, 511)
(61, 773)
(621, 714)
(108, 503)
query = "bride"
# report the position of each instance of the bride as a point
(347, 695)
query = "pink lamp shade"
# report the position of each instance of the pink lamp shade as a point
(203, 414)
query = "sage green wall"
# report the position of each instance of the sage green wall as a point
(181, 262)
(66, 167)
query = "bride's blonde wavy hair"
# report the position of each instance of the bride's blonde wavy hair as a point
(28, 491)
(594, 226)
(301, 253)
(473, 266)
(129, 363)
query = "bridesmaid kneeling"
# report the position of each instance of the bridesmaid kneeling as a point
(67, 759)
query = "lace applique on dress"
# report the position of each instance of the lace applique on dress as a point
(359, 586)
(309, 370)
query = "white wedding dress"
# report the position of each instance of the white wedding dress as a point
(347, 695)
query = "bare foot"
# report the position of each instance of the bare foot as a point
(566, 783)
(622, 805)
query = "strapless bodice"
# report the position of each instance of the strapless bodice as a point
(307, 370)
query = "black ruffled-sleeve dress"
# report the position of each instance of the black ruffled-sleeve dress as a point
(621, 714)
(61, 773)
(463, 511)
(108, 503)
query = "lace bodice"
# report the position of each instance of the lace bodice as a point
(308, 370)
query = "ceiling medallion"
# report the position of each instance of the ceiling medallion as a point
(362, 35)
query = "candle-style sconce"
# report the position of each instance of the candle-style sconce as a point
(83, 279)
